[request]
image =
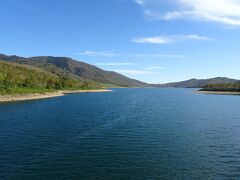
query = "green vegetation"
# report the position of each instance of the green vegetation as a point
(222, 87)
(199, 83)
(16, 78)
(75, 70)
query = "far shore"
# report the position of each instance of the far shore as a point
(218, 92)
(33, 96)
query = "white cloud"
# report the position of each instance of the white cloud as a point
(220, 11)
(141, 2)
(98, 53)
(132, 71)
(132, 55)
(113, 64)
(154, 40)
(154, 67)
(169, 39)
(195, 37)
(162, 55)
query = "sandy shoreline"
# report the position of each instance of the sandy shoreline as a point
(218, 92)
(32, 96)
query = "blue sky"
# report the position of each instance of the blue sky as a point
(155, 41)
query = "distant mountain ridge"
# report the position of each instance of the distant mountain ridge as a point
(199, 83)
(74, 69)
(64, 66)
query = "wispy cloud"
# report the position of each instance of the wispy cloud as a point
(170, 39)
(133, 71)
(98, 53)
(132, 55)
(154, 67)
(139, 1)
(154, 40)
(162, 55)
(221, 11)
(114, 64)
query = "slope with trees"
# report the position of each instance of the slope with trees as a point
(75, 69)
(15, 78)
(222, 87)
(199, 83)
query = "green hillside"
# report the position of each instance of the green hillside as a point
(75, 69)
(199, 83)
(235, 87)
(15, 78)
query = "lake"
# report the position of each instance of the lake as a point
(125, 134)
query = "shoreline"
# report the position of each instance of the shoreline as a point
(35, 96)
(85, 91)
(218, 92)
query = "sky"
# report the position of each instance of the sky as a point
(155, 41)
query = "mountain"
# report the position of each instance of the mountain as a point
(74, 69)
(16, 78)
(83, 72)
(199, 83)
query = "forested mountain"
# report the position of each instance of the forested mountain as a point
(199, 83)
(18, 78)
(75, 69)
(85, 73)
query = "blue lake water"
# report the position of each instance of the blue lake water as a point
(124, 134)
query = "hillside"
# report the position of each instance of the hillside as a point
(199, 83)
(75, 69)
(222, 87)
(15, 78)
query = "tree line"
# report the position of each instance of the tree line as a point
(235, 87)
